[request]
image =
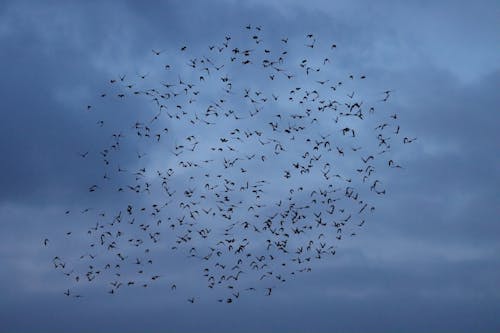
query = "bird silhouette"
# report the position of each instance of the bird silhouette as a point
(247, 131)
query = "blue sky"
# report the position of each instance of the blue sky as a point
(426, 260)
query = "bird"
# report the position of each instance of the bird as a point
(224, 171)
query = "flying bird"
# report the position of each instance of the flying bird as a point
(250, 164)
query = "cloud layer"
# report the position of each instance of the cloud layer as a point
(428, 259)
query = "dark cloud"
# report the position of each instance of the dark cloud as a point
(426, 261)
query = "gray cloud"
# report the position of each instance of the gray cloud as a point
(426, 261)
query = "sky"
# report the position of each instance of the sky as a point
(427, 259)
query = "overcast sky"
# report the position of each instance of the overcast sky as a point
(427, 261)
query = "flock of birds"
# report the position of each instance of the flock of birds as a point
(249, 160)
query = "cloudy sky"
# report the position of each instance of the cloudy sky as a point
(427, 261)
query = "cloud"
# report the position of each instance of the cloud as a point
(425, 262)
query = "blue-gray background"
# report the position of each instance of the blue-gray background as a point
(430, 261)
